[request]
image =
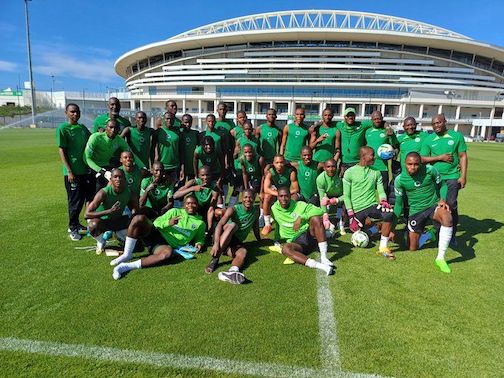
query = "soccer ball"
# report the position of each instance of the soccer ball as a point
(360, 239)
(385, 152)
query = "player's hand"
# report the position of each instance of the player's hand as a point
(462, 182)
(214, 251)
(443, 205)
(199, 248)
(181, 175)
(71, 177)
(390, 131)
(447, 158)
(173, 221)
(151, 186)
(384, 206)
(115, 207)
(296, 224)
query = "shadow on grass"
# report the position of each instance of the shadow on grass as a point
(471, 228)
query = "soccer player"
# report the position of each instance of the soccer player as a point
(250, 171)
(212, 132)
(330, 191)
(350, 138)
(294, 136)
(105, 211)
(189, 141)
(156, 194)
(175, 228)
(132, 173)
(223, 127)
(447, 151)
(269, 136)
(241, 118)
(71, 138)
(360, 184)
(102, 150)
(411, 140)
(139, 138)
(377, 135)
(114, 105)
(421, 184)
(167, 148)
(280, 175)
(171, 108)
(307, 172)
(206, 154)
(323, 139)
(300, 224)
(230, 235)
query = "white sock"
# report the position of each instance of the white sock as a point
(384, 241)
(445, 235)
(322, 246)
(310, 263)
(129, 246)
(100, 242)
(233, 200)
(261, 212)
(267, 220)
(234, 268)
(341, 224)
(122, 268)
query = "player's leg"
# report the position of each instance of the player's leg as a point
(162, 254)
(267, 202)
(75, 201)
(443, 217)
(294, 252)
(234, 275)
(386, 227)
(139, 227)
(224, 240)
(317, 231)
(451, 200)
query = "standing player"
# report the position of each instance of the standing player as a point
(241, 118)
(223, 127)
(411, 140)
(230, 235)
(114, 105)
(323, 139)
(447, 151)
(330, 191)
(300, 224)
(269, 136)
(360, 184)
(167, 148)
(71, 138)
(139, 138)
(176, 228)
(307, 176)
(188, 143)
(350, 138)
(171, 108)
(295, 136)
(421, 185)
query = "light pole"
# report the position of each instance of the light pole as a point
(32, 84)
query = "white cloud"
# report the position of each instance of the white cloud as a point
(8, 66)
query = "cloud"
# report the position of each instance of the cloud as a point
(62, 64)
(8, 66)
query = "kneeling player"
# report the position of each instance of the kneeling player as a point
(421, 184)
(175, 228)
(105, 212)
(230, 235)
(330, 189)
(300, 224)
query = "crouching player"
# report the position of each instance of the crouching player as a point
(230, 235)
(300, 224)
(175, 228)
(360, 184)
(330, 190)
(105, 212)
(421, 184)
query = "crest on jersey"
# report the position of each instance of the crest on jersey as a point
(417, 139)
(382, 135)
(251, 169)
(193, 226)
(141, 139)
(307, 174)
(298, 133)
(157, 192)
(451, 142)
(413, 223)
(281, 180)
(295, 215)
(188, 140)
(130, 181)
(269, 134)
(418, 183)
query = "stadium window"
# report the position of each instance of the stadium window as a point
(415, 49)
(462, 57)
(282, 107)
(440, 52)
(498, 67)
(230, 106)
(155, 60)
(245, 106)
(370, 108)
(391, 110)
(208, 106)
(389, 46)
(262, 107)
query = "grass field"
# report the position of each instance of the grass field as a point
(400, 318)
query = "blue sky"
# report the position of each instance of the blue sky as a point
(79, 41)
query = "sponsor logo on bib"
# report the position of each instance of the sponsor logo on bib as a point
(157, 192)
(188, 140)
(307, 174)
(130, 181)
(141, 139)
(193, 226)
(298, 133)
(251, 169)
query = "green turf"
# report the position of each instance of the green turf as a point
(399, 318)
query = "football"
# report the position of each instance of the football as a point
(360, 239)
(385, 152)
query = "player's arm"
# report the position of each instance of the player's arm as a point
(267, 185)
(285, 135)
(186, 189)
(245, 175)
(399, 193)
(321, 189)
(236, 151)
(294, 189)
(463, 169)
(126, 134)
(89, 156)
(133, 204)
(216, 249)
(91, 212)
(337, 146)
(257, 132)
(425, 153)
(64, 160)
(195, 161)
(347, 191)
(144, 193)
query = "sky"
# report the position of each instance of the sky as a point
(77, 41)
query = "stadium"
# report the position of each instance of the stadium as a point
(321, 58)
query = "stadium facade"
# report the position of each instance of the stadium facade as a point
(320, 58)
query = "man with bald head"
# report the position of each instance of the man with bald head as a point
(446, 150)
(360, 185)
(114, 106)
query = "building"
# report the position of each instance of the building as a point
(322, 58)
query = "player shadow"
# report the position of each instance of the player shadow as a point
(471, 228)
(339, 249)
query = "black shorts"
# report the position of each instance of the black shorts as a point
(307, 242)
(417, 222)
(374, 213)
(154, 239)
(115, 224)
(314, 200)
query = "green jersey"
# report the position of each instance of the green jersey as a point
(420, 189)
(325, 150)
(216, 137)
(286, 218)
(307, 178)
(375, 137)
(168, 144)
(72, 139)
(111, 197)
(204, 196)
(158, 197)
(238, 132)
(133, 179)
(410, 143)
(211, 160)
(360, 185)
(254, 142)
(189, 140)
(452, 142)
(352, 139)
(244, 220)
(252, 169)
(177, 124)
(189, 228)
(223, 128)
(100, 149)
(279, 180)
(330, 186)
(296, 139)
(100, 122)
(140, 143)
(269, 140)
